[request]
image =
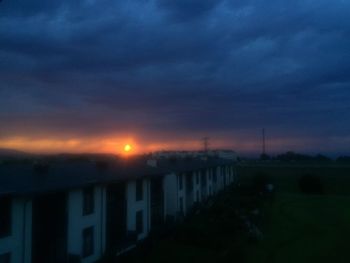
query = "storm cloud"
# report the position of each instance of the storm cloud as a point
(170, 71)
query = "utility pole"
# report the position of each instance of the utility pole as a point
(263, 142)
(206, 144)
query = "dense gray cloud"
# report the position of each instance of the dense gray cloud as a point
(183, 10)
(177, 69)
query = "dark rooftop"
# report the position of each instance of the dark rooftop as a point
(29, 177)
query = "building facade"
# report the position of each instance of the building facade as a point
(101, 212)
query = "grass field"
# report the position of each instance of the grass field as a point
(305, 229)
(296, 227)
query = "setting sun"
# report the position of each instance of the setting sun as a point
(127, 148)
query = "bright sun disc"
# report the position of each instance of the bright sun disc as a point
(127, 148)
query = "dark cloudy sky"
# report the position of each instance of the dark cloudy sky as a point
(90, 75)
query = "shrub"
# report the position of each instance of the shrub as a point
(260, 181)
(311, 184)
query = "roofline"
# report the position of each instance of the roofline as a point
(106, 181)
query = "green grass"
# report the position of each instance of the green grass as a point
(305, 229)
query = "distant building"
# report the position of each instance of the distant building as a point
(225, 154)
(77, 211)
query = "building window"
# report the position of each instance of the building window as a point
(197, 178)
(88, 201)
(139, 222)
(5, 216)
(88, 241)
(5, 258)
(139, 190)
(203, 179)
(214, 178)
(181, 205)
(180, 182)
(189, 182)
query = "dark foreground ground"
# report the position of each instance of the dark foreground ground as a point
(241, 225)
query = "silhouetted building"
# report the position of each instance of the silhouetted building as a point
(76, 211)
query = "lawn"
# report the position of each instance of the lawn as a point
(305, 229)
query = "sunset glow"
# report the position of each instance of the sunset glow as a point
(136, 145)
(127, 148)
